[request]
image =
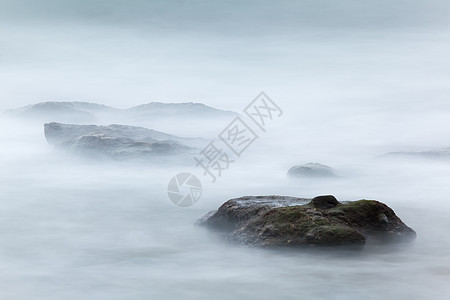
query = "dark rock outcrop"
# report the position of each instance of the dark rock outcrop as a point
(270, 221)
(77, 112)
(116, 141)
(85, 112)
(311, 170)
(324, 202)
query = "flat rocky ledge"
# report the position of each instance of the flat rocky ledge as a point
(281, 221)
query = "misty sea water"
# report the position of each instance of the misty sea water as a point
(72, 229)
(355, 80)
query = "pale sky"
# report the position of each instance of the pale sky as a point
(221, 53)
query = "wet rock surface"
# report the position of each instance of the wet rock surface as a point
(274, 221)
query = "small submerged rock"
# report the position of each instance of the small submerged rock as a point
(271, 221)
(442, 153)
(311, 170)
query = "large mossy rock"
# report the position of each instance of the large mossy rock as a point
(322, 221)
